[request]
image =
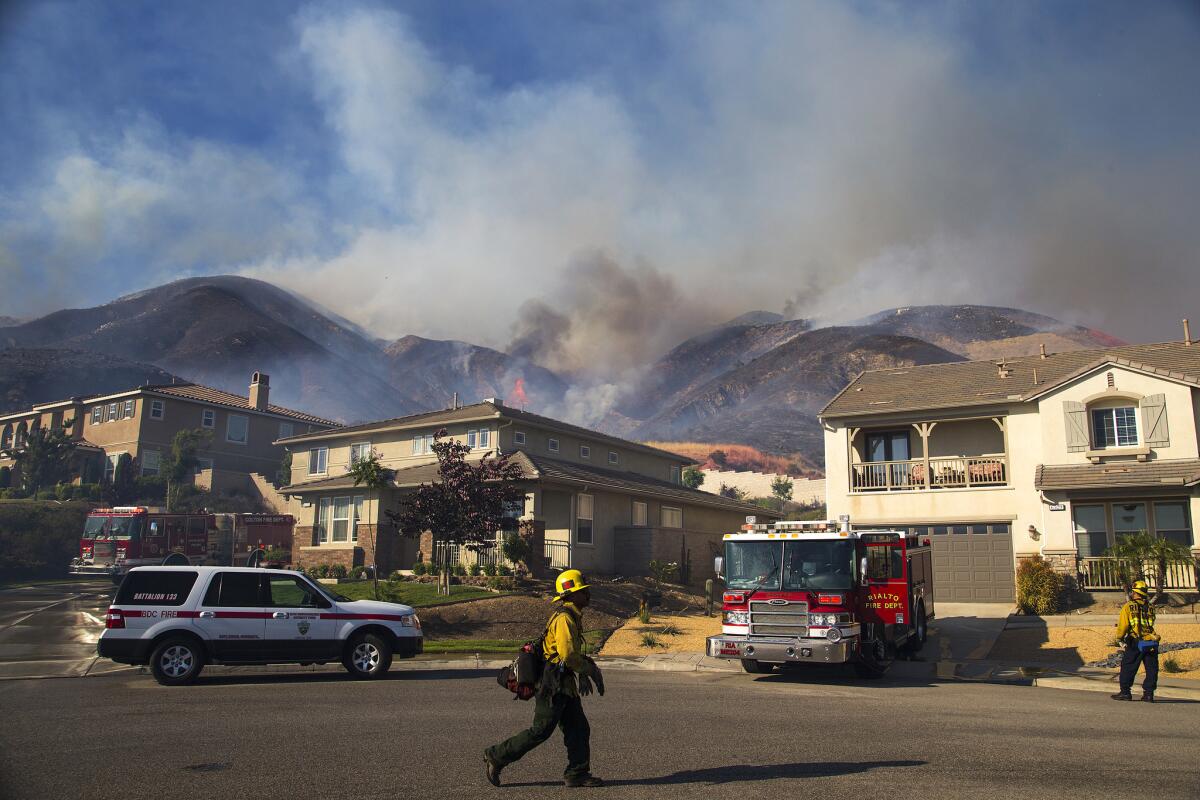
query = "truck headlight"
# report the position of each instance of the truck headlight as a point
(834, 634)
(737, 618)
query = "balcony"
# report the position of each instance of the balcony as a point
(951, 454)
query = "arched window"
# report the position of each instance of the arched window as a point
(22, 434)
(6, 437)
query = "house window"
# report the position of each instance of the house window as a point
(472, 438)
(151, 462)
(237, 429)
(340, 529)
(639, 514)
(359, 451)
(485, 437)
(672, 517)
(518, 437)
(552, 445)
(1171, 522)
(157, 409)
(128, 409)
(675, 475)
(208, 418)
(318, 460)
(97, 415)
(358, 516)
(422, 444)
(1114, 427)
(612, 457)
(585, 451)
(583, 519)
(112, 411)
(323, 520)
(286, 429)
(1128, 519)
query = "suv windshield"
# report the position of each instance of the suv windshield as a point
(818, 564)
(112, 527)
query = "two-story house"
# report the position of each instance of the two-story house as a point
(142, 422)
(597, 502)
(1057, 454)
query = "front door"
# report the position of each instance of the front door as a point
(233, 617)
(295, 629)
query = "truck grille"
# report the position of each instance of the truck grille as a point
(788, 619)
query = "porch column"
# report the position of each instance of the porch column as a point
(851, 433)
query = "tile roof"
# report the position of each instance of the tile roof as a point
(207, 394)
(1176, 472)
(553, 470)
(480, 411)
(963, 384)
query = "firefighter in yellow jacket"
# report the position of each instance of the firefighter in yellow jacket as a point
(1135, 630)
(569, 674)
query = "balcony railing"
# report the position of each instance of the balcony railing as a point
(1107, 573)
(957, 472)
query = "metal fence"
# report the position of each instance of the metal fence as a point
(557, 554)
(1107, 573)
(446, 552)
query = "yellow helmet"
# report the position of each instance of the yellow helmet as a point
(568, 582)
(1139, 587)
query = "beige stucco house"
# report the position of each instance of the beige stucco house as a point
(598, 503)
(142, 422)
(1056, 454)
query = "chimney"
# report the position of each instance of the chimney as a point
(1187, 333)
(455, 406)
(260, 391)
(1043, 348)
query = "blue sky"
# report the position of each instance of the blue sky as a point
(642, 168)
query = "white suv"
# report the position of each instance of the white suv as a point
(177, 619)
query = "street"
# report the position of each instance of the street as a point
(654, 735)
(52, 628)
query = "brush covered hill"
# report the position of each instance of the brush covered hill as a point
(741, 458)
(31, 375)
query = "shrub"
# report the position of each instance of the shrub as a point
(475, 570)
(503, 569)
(644, 613)
(64, 491)
(458, 569)
(5, 477)
(650, 640)
(1170, 664)
(47, 494)
(1039, 587)
(664, 571)
(337, 571)
(320, 571)
(489, 569)
(516, 548)
(419, 568)
(669, 630)
(499, 583)
(39, 538)
(87, 491)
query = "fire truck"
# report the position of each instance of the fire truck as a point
(119, 538)
(823, 593)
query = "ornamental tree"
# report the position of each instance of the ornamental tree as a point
(44, 458)
(466, 504)
(367, 471)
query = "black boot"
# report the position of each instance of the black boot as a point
(1122, 696)
(491, 769)
(583, 781)
(1148, 697)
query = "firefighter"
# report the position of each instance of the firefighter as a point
(569, 674)
(1135, 630)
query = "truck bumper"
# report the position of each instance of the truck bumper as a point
(409, 646)
(95, 569)
(781, 650)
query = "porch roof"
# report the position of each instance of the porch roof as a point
(1176, 472)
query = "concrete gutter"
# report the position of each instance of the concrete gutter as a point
(1019, 621)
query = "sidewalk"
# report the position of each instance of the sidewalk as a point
(1091, 620)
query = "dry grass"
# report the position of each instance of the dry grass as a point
(1078, 646)
(742, 457)
(693, 630)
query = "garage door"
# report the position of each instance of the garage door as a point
(972, 563)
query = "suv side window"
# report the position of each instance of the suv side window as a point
(235, 590)
(287, 591)
(161, 588)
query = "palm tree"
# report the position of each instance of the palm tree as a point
(1141, 550)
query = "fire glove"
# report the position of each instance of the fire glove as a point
(585, 685)
(596, 675)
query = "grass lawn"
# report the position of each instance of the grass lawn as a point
(410, 593)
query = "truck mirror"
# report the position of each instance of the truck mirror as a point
(719, 566)
(862, 571)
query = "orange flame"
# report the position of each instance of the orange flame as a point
(518, 393)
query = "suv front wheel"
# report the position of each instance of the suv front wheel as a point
(368, 656)
(177, 661)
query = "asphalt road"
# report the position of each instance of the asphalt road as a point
(51, 629)
(420, 734)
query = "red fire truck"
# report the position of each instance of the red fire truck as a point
(823, 593)
(116, 539)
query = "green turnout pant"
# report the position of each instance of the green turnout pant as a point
(563, 711)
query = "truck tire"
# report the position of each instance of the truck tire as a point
(177, 661)
(755, 667)
(920, 632)
(367, 656)
(874, 657)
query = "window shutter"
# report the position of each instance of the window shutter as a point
(1076, 425)
(1154, 420)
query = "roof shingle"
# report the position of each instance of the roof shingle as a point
(207, 394)
(1175, 472)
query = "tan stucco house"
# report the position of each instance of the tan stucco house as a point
(598, 503)
(142, 422)
(1055, 454)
